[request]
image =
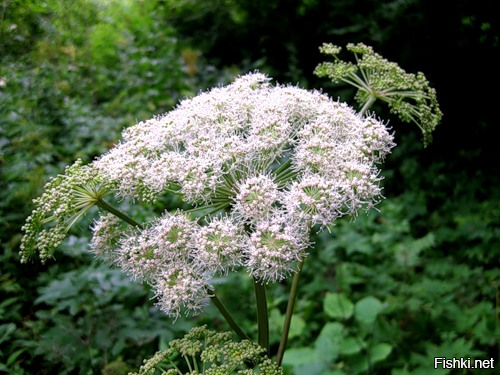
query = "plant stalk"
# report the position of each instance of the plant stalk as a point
(368, 104)
(262, 318)
(106, 206)
(288, 315)
(229, 318)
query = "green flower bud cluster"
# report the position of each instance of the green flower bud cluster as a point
(409, 96)
(210, 353)
(67, 197)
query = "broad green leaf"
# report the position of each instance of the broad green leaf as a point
(338, 306)
(299, 356)
(276, 320)
(351, 345)
(367, 309)
(328, 342)
(380, 351)
(297, 327)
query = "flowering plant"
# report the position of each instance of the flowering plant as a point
(258, 167)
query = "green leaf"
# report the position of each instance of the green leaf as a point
(304, 360)
(12, 358)
(338, 306)
(367, 309)
(328, 342)
(358, 363)
(380, 351)
(297, 327)
(300, 356)
(351, 345)
(6, 331)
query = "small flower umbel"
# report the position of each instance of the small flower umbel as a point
(66, 199)
(202, 351)
(408, 95)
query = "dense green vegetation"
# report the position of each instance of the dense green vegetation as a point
(382, 295)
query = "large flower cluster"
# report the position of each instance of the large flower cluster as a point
(261, 166)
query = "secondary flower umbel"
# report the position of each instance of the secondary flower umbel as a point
(260, 165)
(408, 96)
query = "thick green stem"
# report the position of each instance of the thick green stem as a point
(262, 318)
(229, 318)
(106, 206)
(368, 104)
(288, 315)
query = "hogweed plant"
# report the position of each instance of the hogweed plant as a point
(261, 167)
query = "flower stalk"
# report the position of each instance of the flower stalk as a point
(112, 210)
(228, 317)
(288, 314)
(262, 316)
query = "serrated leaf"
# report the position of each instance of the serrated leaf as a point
(338, 306)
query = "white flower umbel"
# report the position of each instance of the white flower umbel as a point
(106, 234)
(147, 253)
(316, 199)
(258, 165)
(218, 246)
(275, 247)
(179, 287)
(256, 197)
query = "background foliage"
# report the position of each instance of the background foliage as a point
(385, 294)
